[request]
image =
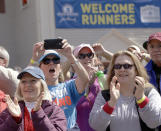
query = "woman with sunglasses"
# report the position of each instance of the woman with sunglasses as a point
(87, 57)
(130, 103)
(65, 94)
(32, 108)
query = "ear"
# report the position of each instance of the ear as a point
(148, 49)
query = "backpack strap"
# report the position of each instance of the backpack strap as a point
(106, 96)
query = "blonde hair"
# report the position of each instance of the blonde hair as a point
(140, 70)
(47, 95)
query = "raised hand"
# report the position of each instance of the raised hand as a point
(101, 51)
(114, 91)
(39, 102)
(66, 50)
(145, 56)
(38, 51)
(91, 71)
(13, 107)
(139, 84)
(98, 48)
(137, 54)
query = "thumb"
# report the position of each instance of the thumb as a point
(118, 86)
(15, 101)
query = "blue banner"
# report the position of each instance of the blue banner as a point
(108, 13)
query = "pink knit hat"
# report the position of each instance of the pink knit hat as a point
(81, 46)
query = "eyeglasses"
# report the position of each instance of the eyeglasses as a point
(125, 66)
(47, 61)
(83, 56)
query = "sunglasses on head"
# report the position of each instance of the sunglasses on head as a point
(125, 66)
(83, 56)
(47, 61)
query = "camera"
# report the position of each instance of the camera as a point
(53, 43)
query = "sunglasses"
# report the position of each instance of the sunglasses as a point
(47, 61)
(1, 58)
(83, 56)
(125, 66)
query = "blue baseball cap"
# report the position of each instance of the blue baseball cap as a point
(49, 52)
(34, 71)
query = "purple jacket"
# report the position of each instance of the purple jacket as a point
(85, 105)
(49, 118)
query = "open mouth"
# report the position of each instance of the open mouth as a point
(52, 71)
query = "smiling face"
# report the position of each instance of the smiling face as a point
(88, 59)
(154, 49)
(127, 72)
(30, 87)
(51, 70)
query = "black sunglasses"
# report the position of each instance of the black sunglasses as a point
(47, 61)
(1, 58)
(125, 66)
(83, 56)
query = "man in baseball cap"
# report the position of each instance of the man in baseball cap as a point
(154, 65)
(154, 48)
(155, 36)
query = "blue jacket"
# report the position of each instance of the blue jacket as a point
(152, 75)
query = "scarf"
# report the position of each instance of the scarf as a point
(28, 125)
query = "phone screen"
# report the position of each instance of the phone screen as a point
(53, 44)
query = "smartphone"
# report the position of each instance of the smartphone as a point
(53, 44)
(135, 88)
(116, 82)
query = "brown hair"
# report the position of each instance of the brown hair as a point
(138, 65)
